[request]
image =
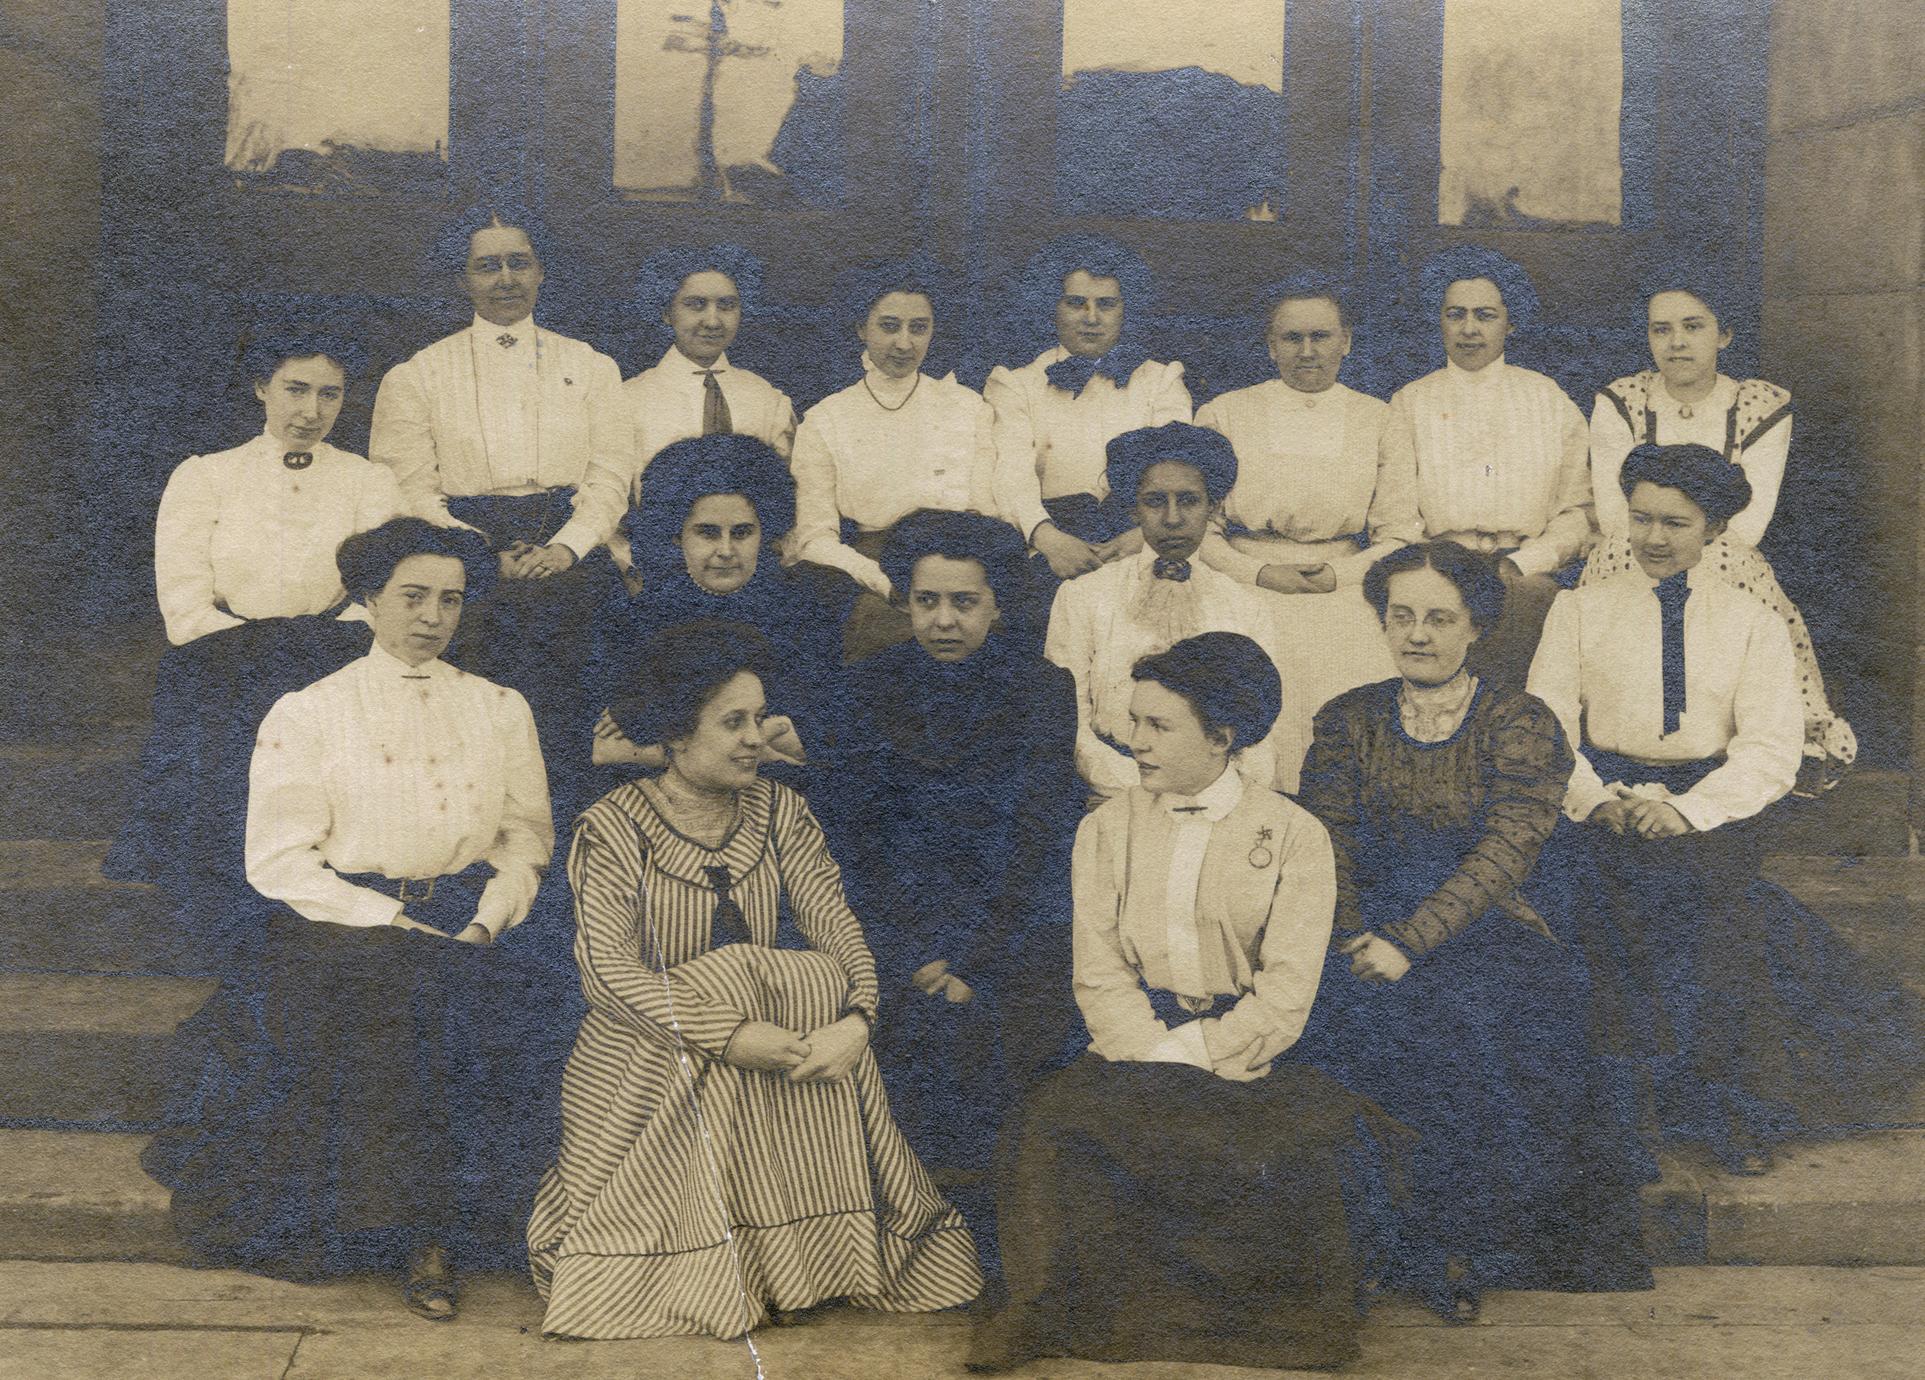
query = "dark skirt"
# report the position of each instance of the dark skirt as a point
(186, 826)
(360, 1092)
(1523, 1165)
(1158, 1212)
(1752, 1020)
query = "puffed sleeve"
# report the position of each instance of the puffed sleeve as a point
(1171, 402)
(1761, 761)
(1570, 523)
(818, 519)
(1394, 514)
(620, 957)
(1525, 773)
(1611, 441)
(1070, 642)
(380, 499)
(1296, 935)
(401, 436)
(1763, 459)
(1557, 679)
(602, 496)
(1109, 990)
(184, 552)
(1332, 790)
(814, 886)
(288, 819)
(526, 839)
(1019, 484)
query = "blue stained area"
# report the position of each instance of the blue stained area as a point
(1184, 144)
(809, 146)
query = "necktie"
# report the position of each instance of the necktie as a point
(1672, 591)
(715, 407)
(506, 340)
(298, 459)
(1186, 809)
(1170, 570)
(728, 925)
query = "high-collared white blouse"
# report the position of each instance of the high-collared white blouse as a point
(879, 450)
(1307, 471)
(1498, 450)
(408, 771)
(666, 401)
(1096, 635)
(240, 535)
(508, 410)
(1052, 445)
(1599, 668)
(1229, 893)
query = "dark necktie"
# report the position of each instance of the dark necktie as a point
(728, 925)
(1170, 570)
(1186, 809)
(506, 340)
(715, 408)
(1672, 591)
(298, 459)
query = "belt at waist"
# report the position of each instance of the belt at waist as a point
(1283, 550)
(508, 518)
(1174, 1010)
(1676, 777)
(447, 902)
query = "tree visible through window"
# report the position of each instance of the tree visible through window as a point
(1171, 109)
(1532, 98)
(729, 100)
(337, 93)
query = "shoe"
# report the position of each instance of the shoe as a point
(430, 1288)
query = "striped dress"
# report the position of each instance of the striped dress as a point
(691, 1196)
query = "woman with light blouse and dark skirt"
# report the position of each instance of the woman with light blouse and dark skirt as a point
(374, 1089)
(1453, 994)
(244, 570)
(1741, 1018)
(728, 1157)
(1178, 1192)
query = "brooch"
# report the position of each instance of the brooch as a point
(1261, 856)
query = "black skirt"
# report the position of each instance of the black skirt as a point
(1158, 1212)
(358, 1092)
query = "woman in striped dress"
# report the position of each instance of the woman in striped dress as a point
(727, 1152)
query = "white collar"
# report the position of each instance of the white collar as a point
(1297, 398)
(519, 329)
(676, 362)
(1474, 378)
(386, 666)
(889, 390)
(271, 444)
(1217, 799)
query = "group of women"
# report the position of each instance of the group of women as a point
(851, 989)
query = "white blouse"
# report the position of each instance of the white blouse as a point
(666, 401)
(408, 771)
(1499, 451)
(879, 450)
(239, 529)
(1052, 445)
(1233, 899)
(1598, 667)
(1101, 624)
(1307, 471)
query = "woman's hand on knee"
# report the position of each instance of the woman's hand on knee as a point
(762, 1047)
(833, 1051)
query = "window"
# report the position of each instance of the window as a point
(337, 94)
(1171, 109)
(729, 100)
(1532, 98)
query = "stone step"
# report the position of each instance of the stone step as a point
(68, 791)
(88, 1050)
(58, 914)
(69, 1195)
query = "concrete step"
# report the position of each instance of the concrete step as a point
(89, 1049)
(53, 790)
(58, 914)
(70, 1195)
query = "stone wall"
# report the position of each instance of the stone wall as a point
(1843, 328)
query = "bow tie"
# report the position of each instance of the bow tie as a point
(506, 340)
(1170, 570)
(1074, 373)
(298, 459)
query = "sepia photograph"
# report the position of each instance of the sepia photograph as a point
(909, 689)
